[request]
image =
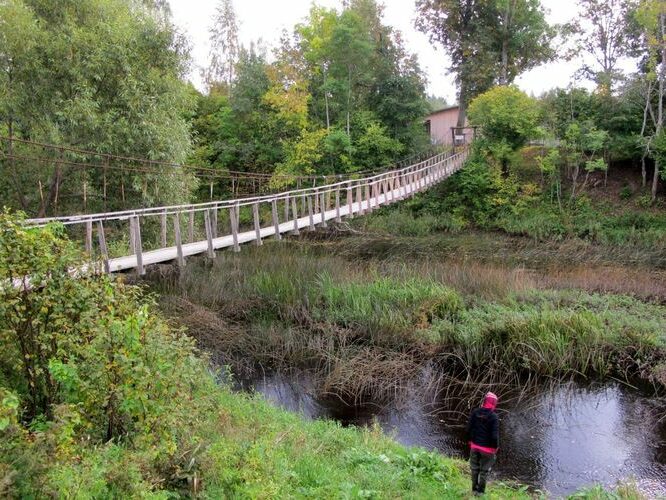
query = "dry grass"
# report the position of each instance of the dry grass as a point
(370, 329)
(643, 284)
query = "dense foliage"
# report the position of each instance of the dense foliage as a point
(101, 398)
(341, 95)
(101, 75)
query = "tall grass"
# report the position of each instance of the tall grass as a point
(368, 328)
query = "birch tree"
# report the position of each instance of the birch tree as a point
(224, 46)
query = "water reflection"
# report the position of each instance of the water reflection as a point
(559, 440)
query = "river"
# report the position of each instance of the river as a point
(558, 439)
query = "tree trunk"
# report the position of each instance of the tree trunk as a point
(462, 103)
(348, 100)
(12, 167)
(54, 188)
(660, 115)
(328, 116)
(646, 109)
(504, 75)
(574, 181)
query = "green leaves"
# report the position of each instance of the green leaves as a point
(9, 408)
(506, 115)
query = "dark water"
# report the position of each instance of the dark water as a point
(560, 440)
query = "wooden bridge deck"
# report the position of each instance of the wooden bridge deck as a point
(360, 196)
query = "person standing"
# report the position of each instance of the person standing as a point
(483, 437)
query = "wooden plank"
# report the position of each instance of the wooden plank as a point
(102, 246)
(369, 195)
(276, 221)
(163, 227)
(210, 250)
(191, 227)
(233, 222)
(257, 224)
(180, 259)
(89, 237)
(350, 200)
(310, 215)
(295, 214)
(322, 206)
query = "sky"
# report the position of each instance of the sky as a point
(266, 19)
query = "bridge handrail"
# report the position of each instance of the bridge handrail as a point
(240, 202)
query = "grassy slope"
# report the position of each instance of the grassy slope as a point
(265, 452)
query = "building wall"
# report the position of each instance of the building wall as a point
(441, 123)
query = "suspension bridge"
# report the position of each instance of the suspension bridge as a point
(133, 239)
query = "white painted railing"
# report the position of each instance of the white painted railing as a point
(317, 206)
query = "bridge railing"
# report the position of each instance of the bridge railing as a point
(135, 238)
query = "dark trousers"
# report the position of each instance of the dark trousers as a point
(481, 465)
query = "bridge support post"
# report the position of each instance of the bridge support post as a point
(179, 242)
(337, 204)
(233, 220)
(213, 221)
(88, 243)
(135, 230)
(311, 225)
(398, 185)
(276, 221)
(257, 225)
(163, 229)
(286, 208)
(350, 201)
(359, 198)
(208, 222)
(191, 227)
(322, 211)
(102, 247)
(295, 214)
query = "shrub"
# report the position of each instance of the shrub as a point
(87, 359)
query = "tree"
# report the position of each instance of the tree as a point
(607, 39)
(491, 41)
(458, 26)
(507, 118)
(224, 46)
(101, 75)
(651, 16)
(523, 37)
(583, 145)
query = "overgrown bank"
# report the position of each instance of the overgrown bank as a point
(101, 398)
(371, 328)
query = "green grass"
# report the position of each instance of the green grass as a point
(269, 453)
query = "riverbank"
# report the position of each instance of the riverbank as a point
(377, 333)
(368, 326)
(101, 398)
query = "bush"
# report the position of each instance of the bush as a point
(87, 359)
